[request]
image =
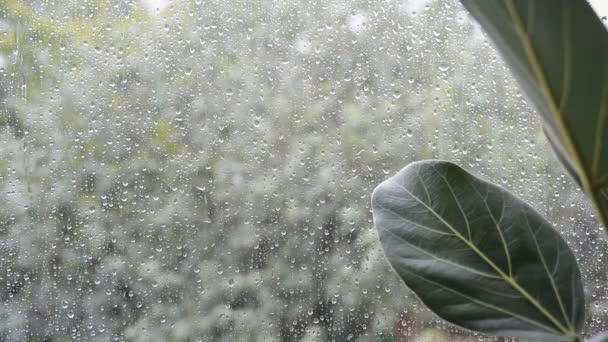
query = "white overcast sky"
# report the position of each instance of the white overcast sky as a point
(601, 8)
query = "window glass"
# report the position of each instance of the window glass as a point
(176, 170)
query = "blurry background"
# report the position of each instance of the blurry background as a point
(176, 170)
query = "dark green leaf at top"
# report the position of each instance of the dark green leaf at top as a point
(558, 50)
(477, 255)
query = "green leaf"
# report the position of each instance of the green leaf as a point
(558, 51)
(477, 255)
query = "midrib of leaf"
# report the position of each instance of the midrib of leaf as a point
(558, 116)
(505, 277)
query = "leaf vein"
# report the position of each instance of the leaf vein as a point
(487, 305)
(484, 257)
(551, 279)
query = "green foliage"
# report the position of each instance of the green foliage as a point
(558, 50)
(477, 255)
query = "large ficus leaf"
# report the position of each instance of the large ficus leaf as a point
(558, 50)
(477, 255)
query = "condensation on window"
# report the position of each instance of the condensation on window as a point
(176, 170)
